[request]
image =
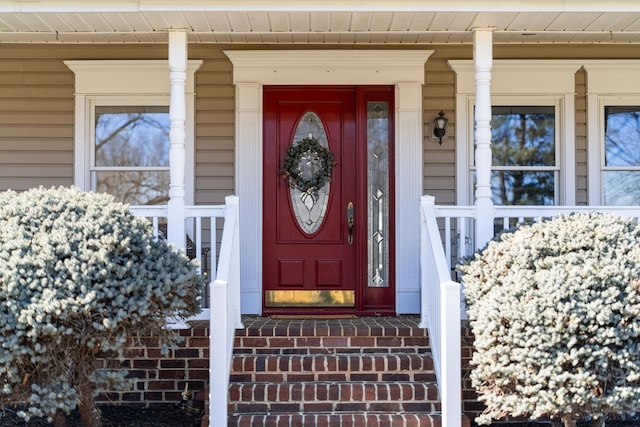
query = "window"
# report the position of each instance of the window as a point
(532, 136)
(524, 168)
(621, 169)
(613, 132)
(130, 156)
(122, 129)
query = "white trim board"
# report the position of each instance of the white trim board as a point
(129, 6)
(402, 68)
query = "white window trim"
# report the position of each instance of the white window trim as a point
(608, 83)
(517, 101)
(402, 68)
(132, 82)
(520, 82)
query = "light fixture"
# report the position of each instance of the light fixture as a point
(440, 126)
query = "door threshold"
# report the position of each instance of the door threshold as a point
(313, 316)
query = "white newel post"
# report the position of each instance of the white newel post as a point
(177, 137)
(483, 61)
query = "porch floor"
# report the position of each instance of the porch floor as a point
(293, 326)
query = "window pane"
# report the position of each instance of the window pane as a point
(523, 136)
(523, 187)
(622, 136)
(132, 136)
(135, 187)
(310, 208)
(622, 188)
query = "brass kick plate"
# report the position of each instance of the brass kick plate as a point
(310, 299)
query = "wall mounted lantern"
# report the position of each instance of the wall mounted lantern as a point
(440, 127)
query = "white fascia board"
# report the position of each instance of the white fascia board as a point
(618, 76)
(515, 76)
(320, 5)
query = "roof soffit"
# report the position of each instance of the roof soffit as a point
(319, 21)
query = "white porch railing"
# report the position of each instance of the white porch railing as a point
(223, 302)
(444, 228)
(155, 214)
(440, 302)
(508, 215)
(225, 315)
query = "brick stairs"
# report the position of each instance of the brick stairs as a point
(369, 371)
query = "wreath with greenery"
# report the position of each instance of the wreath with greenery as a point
(319, 160)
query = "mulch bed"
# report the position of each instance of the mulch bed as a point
(170, 416)
(114, 416)
(610, 423)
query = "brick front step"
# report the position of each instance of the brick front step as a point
(333, 397)
(363, 335)
(333, 367)
(336, 420)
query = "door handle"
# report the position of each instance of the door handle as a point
(350, 219)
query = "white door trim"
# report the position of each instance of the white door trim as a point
(402, 68)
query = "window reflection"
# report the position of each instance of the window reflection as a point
(524, 155)
(131, 153)
(622, 155)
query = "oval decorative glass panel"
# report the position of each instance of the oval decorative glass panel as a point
(311, 172)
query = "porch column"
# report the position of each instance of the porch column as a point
(409, 176)
(483, 61)
(249, 187)
(177, 137)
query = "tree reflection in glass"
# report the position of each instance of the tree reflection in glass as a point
(622, 155)
(524, 155)
(131, 153)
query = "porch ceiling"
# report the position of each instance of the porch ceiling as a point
(319, 22)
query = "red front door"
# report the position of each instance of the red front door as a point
(315, 246)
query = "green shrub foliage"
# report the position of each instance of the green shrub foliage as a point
(555, 310)
(78, 275)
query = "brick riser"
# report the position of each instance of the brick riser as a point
(339, 372)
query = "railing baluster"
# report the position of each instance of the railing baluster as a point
(462, 226)
(155, 227)
(198, 237)
(447, 239)
(213, 253)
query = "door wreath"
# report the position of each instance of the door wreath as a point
(307, 165)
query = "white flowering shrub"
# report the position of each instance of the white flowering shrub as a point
(78, 275)
(555, 310)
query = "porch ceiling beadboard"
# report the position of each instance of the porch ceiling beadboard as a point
(403, 68)
(319, 21)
